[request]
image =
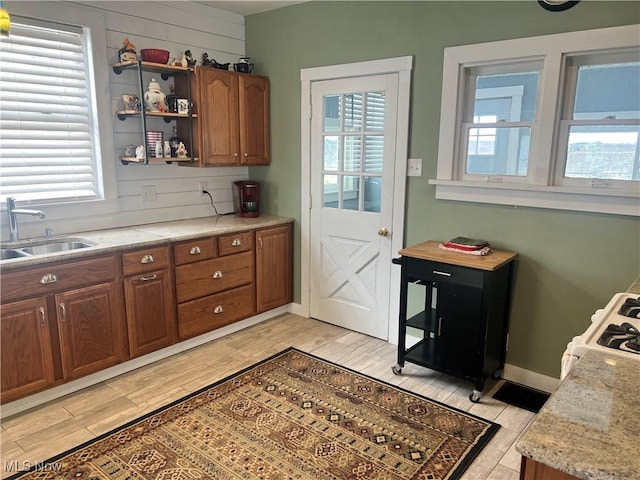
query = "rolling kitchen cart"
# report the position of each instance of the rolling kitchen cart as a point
(454, 312)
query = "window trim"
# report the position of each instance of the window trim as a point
(541, 192)
(99, 78)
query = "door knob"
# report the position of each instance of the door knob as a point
(383, 232)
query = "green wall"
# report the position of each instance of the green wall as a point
(570, 263)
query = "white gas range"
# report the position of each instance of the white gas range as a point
(615, 330)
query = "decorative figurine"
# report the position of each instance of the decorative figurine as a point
(190, 60)
(181, 150)
(221, 66)
(130, 151)
(128, 52)
(154, 99)
(184, 62)
(205, 60)
(140, 152)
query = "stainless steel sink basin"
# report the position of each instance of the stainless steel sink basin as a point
(7, 253)
(52, 247)
(42, 247)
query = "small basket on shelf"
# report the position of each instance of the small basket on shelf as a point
(154, 55)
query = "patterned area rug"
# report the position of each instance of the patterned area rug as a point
(292, 416)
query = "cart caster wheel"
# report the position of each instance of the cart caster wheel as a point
(497, 374)
(396, 369)
(475, 396)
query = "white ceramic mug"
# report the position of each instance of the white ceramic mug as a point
(183, 105)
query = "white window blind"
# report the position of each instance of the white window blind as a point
(47, 148)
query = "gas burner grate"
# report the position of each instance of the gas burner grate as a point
(623, 337)
(630, 308)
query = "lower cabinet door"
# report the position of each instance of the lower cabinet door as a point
(274, 267)
(91, 328)
(27, 363)
(214, 311)
(150, 306)
(459, 337)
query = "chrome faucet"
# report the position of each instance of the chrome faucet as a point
(13, 220)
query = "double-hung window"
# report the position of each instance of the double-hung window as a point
(550, 122)
(49, 141)
(600, 123)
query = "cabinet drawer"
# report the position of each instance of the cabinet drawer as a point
(211, 276)
(195, 250)
(58, 277)
(145, 260)
(235, 243)
(214, 311)
(445, 272)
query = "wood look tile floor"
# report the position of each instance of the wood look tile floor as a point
(59, 425)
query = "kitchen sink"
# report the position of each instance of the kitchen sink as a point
(42, 247)
(7, 253)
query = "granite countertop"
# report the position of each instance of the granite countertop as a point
(116, 239)
(589, 427)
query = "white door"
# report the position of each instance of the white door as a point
(353, 153)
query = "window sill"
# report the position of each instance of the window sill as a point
(560, 198)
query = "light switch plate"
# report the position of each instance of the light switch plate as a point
(414, 167)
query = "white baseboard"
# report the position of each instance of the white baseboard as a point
(530, 378)
(298, 309)
(67, 388)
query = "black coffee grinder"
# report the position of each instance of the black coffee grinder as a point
(246, 198)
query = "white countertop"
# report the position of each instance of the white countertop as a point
(116, 239)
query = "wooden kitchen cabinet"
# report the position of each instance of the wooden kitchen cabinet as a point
(217, 289)
(274, 267)
(532, 470)
(27, 362)
(232, 123)
(68, 316)
(91, 333)
(149, 300)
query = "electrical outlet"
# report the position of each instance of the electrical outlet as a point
(202, 186)
(149, 193)
(415, 167)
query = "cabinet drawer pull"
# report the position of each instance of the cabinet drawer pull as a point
(445, 274)
(49, 278)
(246, 154)
(439, 326)
(236, 242)
(218, 309)
(43, 317)
(217, 274)
(194, 250)
(147, 278)
(147, 259)
(63, 310)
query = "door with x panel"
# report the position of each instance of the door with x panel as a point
(353, 130)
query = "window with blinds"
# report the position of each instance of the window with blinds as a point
(48, 140)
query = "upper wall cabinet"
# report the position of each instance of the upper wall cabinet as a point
(232, 122)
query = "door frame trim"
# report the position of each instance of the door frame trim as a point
(401, 66)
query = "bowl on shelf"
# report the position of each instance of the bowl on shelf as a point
(154, 55)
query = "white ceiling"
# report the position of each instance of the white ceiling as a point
(249, 7)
